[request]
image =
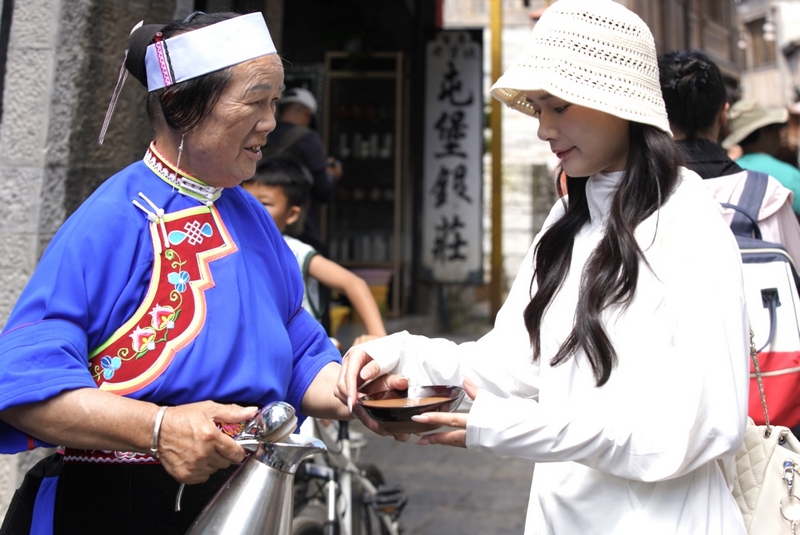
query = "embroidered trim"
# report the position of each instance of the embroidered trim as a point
(185, 184)
(173, 312)
(205, 50)
(108, 457)
(72, 455)
(161, 53)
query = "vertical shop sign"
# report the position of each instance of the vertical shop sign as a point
(453, 155)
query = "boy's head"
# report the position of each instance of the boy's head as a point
(282, 186)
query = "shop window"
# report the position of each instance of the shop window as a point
(762, 50)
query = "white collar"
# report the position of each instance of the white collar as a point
(600, 190)
(185, 184)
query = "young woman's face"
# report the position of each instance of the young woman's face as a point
(586, 141)
(224, 148)
(275, 201)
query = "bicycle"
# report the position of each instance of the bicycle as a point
(333, 495)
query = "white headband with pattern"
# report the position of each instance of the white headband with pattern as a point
(198, 52)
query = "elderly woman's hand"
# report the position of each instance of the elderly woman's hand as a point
(190, 445)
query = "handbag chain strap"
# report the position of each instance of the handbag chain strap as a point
(754, 357)
(789, 504)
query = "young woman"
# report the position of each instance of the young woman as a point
(619, 362)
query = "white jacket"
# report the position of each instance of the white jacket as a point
(638, 455)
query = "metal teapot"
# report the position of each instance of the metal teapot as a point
(257, 498)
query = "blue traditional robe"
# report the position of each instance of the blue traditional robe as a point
(255, 343)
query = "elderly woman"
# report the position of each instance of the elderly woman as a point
(168, 308)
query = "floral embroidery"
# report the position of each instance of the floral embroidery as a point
(173, 311)
(179, 280)
(163, 317)
(110, 365)
(144, 340)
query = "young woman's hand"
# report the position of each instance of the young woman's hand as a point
(457, 438)
(365, 338)
(361, 374)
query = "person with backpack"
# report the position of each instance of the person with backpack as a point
(619, 361)
(696, 100)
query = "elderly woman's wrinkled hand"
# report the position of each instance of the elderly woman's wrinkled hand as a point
(191, 446)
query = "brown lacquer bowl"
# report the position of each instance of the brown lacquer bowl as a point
(393, 409)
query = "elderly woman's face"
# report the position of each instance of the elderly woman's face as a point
(223, 150)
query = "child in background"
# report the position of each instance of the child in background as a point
(283, 186)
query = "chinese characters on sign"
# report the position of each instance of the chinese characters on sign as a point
(453, 170)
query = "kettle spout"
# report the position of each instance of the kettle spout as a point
(286, 456)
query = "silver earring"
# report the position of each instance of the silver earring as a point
(180, 152)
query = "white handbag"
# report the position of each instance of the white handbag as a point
(766, 467)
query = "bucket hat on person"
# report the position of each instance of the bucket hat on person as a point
(747, 116)
(299, 95)
(594, 53)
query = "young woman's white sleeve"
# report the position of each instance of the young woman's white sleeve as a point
(500, 362)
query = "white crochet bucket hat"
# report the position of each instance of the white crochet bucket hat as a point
(594, 53)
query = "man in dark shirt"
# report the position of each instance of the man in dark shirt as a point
(695, 96)
(293, 135)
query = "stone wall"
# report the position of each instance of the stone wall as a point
(63, 61)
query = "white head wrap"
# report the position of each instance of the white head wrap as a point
(198, 52)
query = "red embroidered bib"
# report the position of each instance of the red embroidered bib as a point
(173, 311)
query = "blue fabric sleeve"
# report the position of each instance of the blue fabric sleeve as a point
(39, 361)
(82, 289)
(312, 350)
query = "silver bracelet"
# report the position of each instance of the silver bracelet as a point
(156, 429)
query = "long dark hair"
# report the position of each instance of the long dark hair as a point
(611, 273)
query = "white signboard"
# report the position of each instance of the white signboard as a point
(452, 179)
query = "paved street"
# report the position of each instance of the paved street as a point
(453, 491)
